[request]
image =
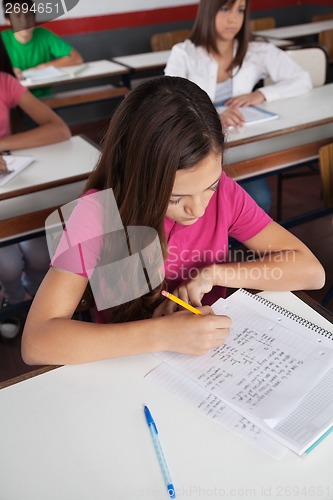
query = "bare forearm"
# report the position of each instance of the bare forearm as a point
(66, 341)
(72, 59)
(49, 133)
(284, 270)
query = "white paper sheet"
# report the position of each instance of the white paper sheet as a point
(15, 164)
(196, 396)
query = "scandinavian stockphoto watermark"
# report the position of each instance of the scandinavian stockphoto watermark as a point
(24, 15)
(240, 264)
(87, 237)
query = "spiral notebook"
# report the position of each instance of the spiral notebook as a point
(275, 369)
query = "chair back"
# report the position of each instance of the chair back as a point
(326, 172)
(326, 40)
(313, 60)
(322, 17)
(165, 41)
(262, 23)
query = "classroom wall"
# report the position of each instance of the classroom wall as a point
(108, 28)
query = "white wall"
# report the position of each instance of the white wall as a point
(87, 8)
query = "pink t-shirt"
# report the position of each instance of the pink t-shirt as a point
(231, 212)
(11, 92)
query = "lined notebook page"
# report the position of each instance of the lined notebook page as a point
(185, 389)
(265, 368)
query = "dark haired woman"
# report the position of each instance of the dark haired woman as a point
(220, 59)
(162, 157)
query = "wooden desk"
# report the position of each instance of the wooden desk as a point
(56, 177)
(305, 124)
(79, 432)
(297, 30)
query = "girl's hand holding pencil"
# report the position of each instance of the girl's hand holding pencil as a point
(192, 331)
(194, 334)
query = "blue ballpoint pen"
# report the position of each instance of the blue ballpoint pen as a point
(159, 453)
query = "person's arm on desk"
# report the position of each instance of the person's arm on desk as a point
(52, 337)
(282, 263)
(50, 127)
(72, 59)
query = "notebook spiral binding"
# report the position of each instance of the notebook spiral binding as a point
(281, 310)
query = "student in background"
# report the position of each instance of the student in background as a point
(33, 47)
(23, 265)
(162, 157)
(220, 59)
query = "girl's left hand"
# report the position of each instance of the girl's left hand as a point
(191, 291)
(251, 99)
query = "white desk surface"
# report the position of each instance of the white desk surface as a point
(302, 121)
(50, 177)
(145, 60)
(295, 113)
(297, 30)
(95, 69)
(276, 41)
(79, 432)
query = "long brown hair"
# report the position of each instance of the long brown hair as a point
(204, 30)
(164, 125)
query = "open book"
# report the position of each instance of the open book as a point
(252, 114)
(15, 164)
(51, 73)
(48, 73)
(275, 371)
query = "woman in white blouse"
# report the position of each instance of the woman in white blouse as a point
(221, 59)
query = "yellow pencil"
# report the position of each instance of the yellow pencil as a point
(180, 302)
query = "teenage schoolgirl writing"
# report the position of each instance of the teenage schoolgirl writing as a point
(163, 157)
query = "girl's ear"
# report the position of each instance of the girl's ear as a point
(7, 21)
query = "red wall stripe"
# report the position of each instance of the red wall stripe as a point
(152, 17)
(124, 20)
(273, 4)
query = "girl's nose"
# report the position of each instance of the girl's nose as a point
(196, 207)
